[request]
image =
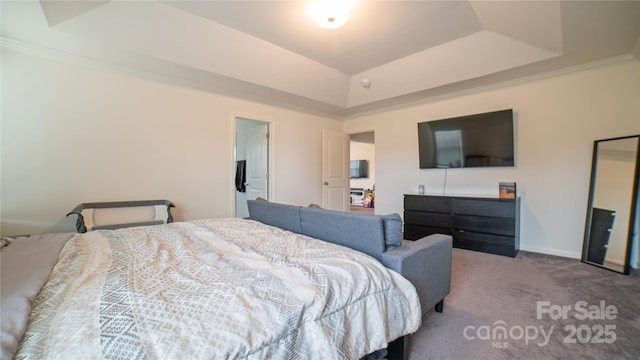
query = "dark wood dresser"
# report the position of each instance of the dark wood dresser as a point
(489, 225)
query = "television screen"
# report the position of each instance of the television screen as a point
(359, 169)
(468, 141)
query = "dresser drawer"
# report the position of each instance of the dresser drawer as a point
(495, 244)
(485, 207)
(427, 219)
(438, 204)
(415, 232)
(485, 224)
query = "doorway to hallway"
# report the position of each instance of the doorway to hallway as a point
(362, 181)
(251, 163)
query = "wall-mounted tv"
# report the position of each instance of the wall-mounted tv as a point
(359, 169)
(480, 140)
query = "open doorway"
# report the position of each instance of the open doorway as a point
(362, 171)
(251, 163)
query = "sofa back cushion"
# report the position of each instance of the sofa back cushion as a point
(284, 216)
(359, 232)
(392, 230)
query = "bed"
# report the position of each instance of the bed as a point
(207, 289)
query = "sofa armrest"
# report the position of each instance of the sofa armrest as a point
(427, 264)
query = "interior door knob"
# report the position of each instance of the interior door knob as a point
(326, 183)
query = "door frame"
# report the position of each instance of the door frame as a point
(270, 157)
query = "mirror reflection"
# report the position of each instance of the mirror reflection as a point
(612, 202)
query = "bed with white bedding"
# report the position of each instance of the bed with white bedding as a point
(214, 289)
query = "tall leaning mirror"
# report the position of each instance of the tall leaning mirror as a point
(613, 203)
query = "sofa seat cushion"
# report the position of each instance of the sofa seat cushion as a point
(359, 232)
(284, 216)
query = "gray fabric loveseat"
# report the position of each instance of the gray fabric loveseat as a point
(425, 262)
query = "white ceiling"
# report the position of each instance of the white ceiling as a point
(272, 51)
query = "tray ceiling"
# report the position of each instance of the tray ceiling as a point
(272, 51)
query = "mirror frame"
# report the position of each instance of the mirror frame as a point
(634, 206)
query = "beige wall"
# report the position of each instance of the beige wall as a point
(75, 133)
(557, 120)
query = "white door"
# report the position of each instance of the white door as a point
(335, 170)
(257, 162)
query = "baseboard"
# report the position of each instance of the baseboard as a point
(567, 254)
(562, 253)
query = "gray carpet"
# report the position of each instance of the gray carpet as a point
(491, 292)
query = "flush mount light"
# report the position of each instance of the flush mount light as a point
(330, 14)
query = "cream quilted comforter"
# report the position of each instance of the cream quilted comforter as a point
(216, 289)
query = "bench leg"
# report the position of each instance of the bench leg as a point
(440, 306)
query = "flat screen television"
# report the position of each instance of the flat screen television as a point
(480, 140)
(359, 169)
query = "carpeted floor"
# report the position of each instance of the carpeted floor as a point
(492, 311)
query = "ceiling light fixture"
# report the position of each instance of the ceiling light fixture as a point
(330, 14)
